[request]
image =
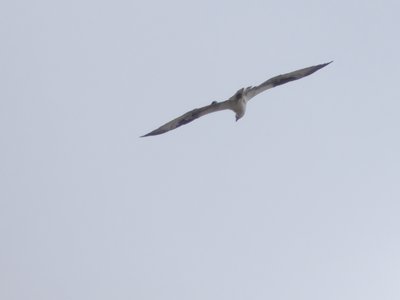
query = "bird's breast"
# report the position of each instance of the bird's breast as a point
(240, 107)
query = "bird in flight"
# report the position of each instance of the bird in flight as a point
(237, 103)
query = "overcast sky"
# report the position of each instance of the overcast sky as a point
(300, 199)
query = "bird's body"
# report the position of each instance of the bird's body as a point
(237, 103)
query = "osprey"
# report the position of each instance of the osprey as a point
(237, 103)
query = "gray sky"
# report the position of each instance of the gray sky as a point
(297, 200)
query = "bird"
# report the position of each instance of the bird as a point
(237, 103)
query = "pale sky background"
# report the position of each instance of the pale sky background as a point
(300, 199)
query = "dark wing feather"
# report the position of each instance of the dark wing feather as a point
(190, 116)
(282, 79)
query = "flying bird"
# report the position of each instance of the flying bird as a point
(237, 103)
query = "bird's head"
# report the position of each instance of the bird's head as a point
(240, 114)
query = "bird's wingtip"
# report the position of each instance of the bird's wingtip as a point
(145, 135)
(320, 66)
(154, 132)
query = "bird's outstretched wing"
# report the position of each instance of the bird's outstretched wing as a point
(282, 79)
(191, 116)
